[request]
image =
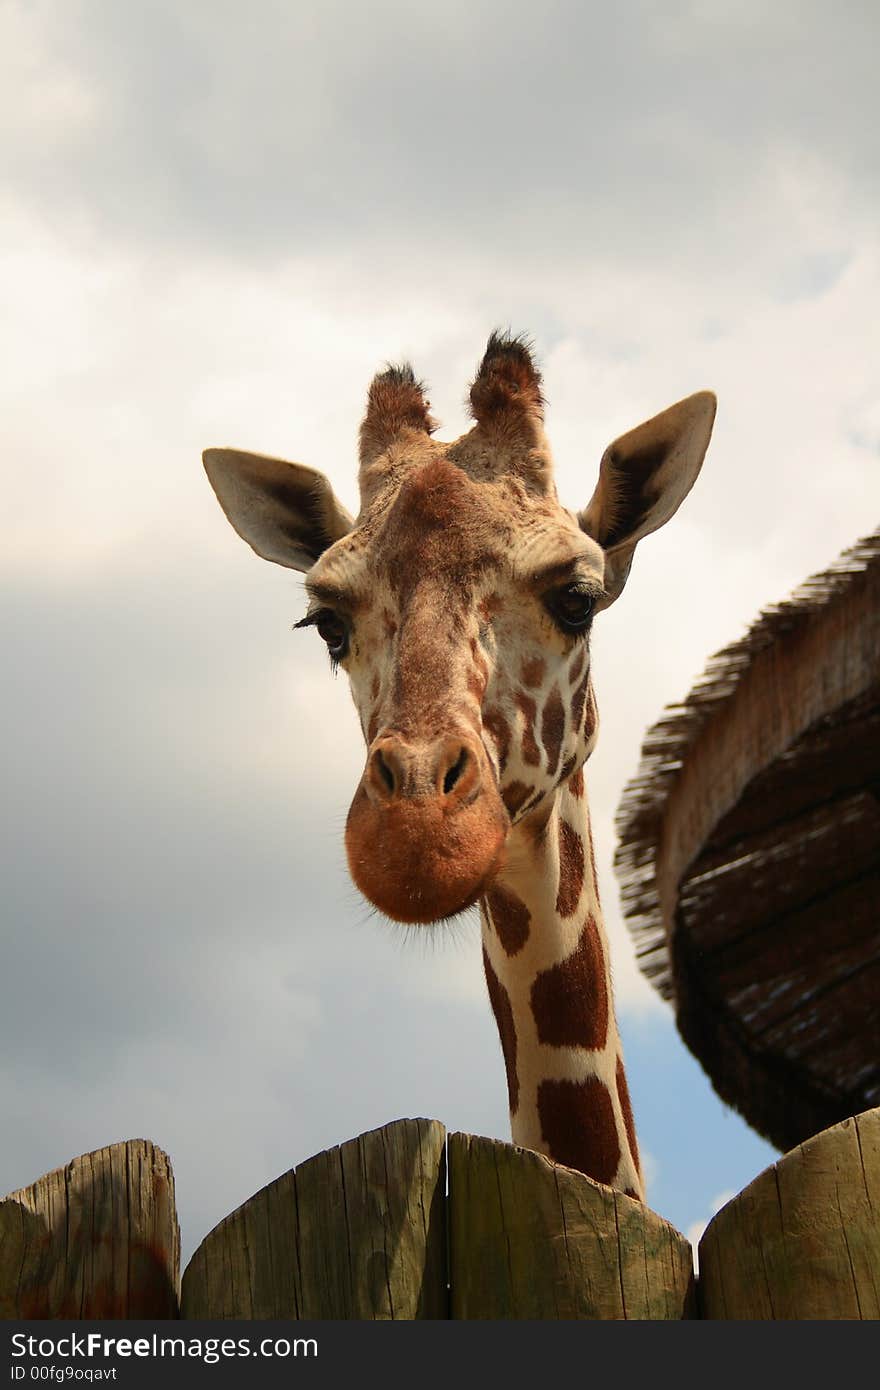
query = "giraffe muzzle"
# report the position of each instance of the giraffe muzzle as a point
(426, 830)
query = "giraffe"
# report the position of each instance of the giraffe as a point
(460, 603)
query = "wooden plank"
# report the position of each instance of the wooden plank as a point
(847, 1010)
(530, 1239)
(356, 1232)
(776, 874)
(247, 1264)
(803, 1240)
(96, 1239)
(764, 979)
(788, 1013)
(837, 757)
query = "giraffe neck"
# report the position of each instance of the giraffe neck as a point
(547, 966)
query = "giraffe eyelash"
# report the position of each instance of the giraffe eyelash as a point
(309, 620)
(333, 629)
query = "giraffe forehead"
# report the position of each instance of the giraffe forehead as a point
(445, 524)
(441, 526)
(441, 523)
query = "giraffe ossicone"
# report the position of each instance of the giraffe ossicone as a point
(459, 602)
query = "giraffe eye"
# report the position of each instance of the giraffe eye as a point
(334, 631)
(332, 628)
(571, 607)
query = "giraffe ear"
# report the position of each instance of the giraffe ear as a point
(644, 477)
(286, 512)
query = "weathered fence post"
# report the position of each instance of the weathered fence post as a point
(356, 1232)
(803, 1239)
(95, 1239)
(529, 1239)
(359, 1232)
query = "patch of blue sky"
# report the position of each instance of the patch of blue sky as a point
(698, 1146)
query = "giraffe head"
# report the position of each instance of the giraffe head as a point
(459, 602)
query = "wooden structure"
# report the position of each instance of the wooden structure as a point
(802, 1240)
(365, 1231)
(356, 1232)
(530, 1239)
(96, 1239)
(749, 858)
(407, 1223)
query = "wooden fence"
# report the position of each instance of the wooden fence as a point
(406, 1222)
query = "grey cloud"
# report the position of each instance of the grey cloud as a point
(568, 129)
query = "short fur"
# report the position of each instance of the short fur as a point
(507, 379)
(396, 401)
(476, 702)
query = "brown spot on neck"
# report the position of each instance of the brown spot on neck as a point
(553, 728)
(501, 1008)
(515, 797)
(590, 714)
(576, 784)
(570, 1000)
(577, 701)
(578, 1126)
(529, 710)
(571, 869)
(510, 917)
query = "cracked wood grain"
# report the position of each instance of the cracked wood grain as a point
(356, 1232)
(96, 1239)
(803, 1240)
(360, 1232)
(530, 1239)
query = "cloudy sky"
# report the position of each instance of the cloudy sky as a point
(217, 220)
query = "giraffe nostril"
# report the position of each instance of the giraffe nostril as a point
(399, 771)
(385, 771)
(454, 772)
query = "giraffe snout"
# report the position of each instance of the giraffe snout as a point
(426, 831)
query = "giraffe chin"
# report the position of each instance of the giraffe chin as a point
(416, 862)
